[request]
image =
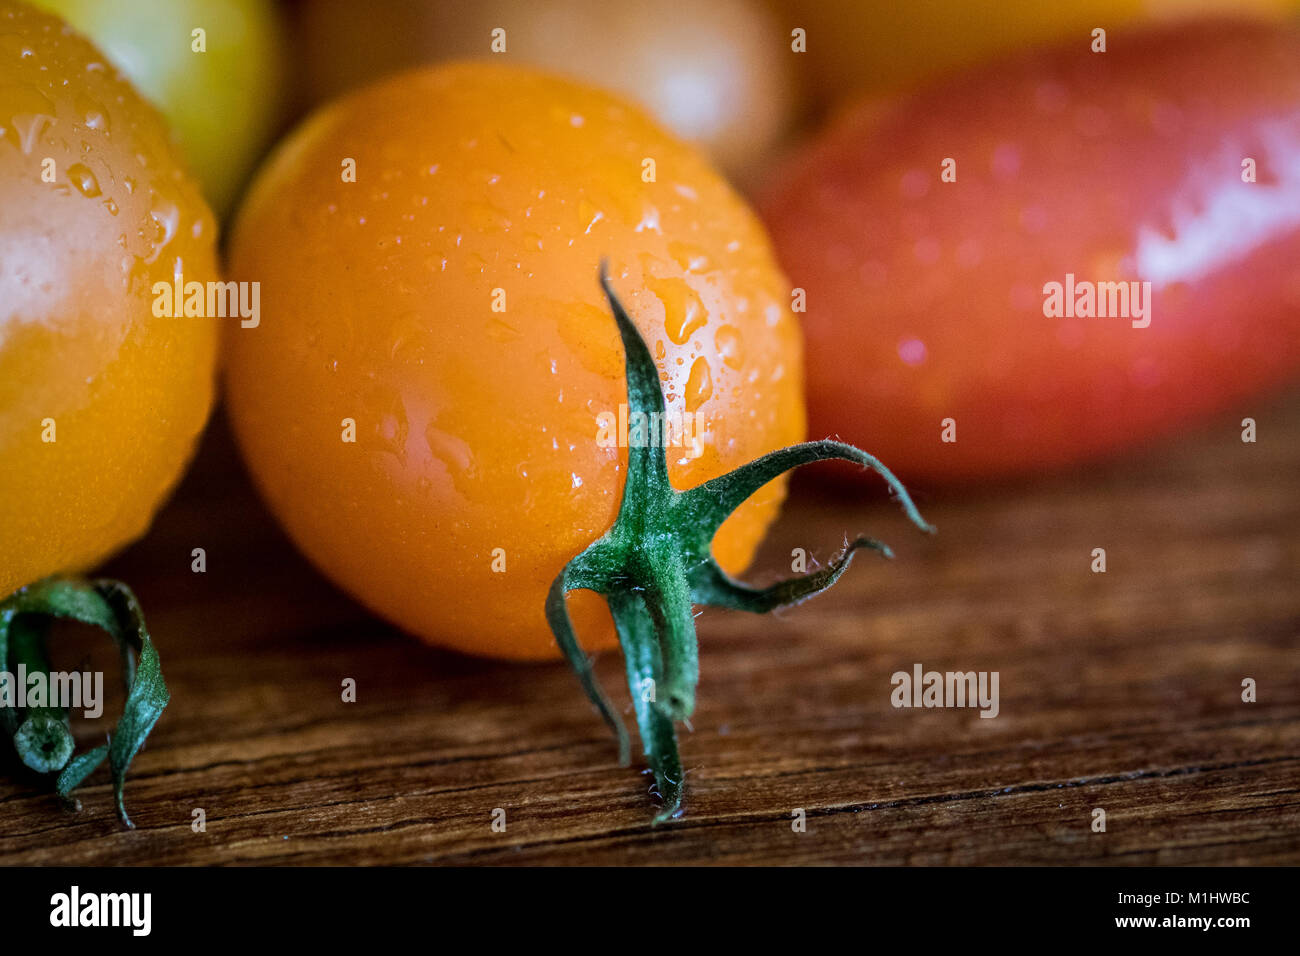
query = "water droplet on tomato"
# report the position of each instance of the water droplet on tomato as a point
(93, 115)
(35, 114)
(727, 342)
(684, 313)
(699, 386)
(83, 180)
(649, 220)
(165, 218)
(391, 424)
(456, 455)
(689, 257)
(588, 216)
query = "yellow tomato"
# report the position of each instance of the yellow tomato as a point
(855, 46)
(224, 101)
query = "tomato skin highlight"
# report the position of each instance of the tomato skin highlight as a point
(926, 298)
(479, 184)
(125, 392)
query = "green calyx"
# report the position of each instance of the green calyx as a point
(41, 734)
(656, 563)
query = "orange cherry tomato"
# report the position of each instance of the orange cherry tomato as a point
(445, 307)
(100, 400)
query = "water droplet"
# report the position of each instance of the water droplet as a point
(588, 216)
(33, 114)
(684, 313)
(408, 340)
(699, 386)
(689, 257)
(391, 425)
(166, 220)
(727, 341)
(93, 115)
(649, 220)
(84, 180)
(455, 453)
(573, 321)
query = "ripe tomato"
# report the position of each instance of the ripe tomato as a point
(720, 74)
(926, 299)
(100, 401)
(447, 303)
(856, 46)
(223, 103)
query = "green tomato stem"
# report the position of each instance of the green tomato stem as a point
(109, 606)
(43, 737)
(656, 563)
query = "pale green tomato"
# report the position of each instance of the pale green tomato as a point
(223, 103)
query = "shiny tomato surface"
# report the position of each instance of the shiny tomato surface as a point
(100, 399)
(447, 303)
(926, 298)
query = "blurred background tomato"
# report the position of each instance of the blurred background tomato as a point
(223, 104)
(856, 46)
(718, 73)
(926, 297)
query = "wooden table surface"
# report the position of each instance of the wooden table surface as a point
(1119, 690)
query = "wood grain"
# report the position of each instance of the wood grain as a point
(1119, 690)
